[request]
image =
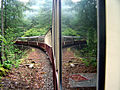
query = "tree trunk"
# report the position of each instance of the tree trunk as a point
(5, 54)
(2, 28)
(5, 14)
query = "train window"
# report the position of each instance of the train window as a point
(83, 41)
(66, 39)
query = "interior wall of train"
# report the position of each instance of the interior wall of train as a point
(112, 81)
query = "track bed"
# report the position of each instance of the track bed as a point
(39, 76)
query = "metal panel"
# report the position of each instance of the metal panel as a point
(47, 38)
(56, 40)
(112, 74)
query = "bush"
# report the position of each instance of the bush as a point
(7, 66)
(3, 71)
(87, 57)
(11, 53)
(35, 32)
(69, 32)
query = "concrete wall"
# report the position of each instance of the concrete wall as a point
(113, 45)
(47, 38)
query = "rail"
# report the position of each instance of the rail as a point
(49, 51)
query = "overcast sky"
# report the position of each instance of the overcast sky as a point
(76, 0)
(37, 5)
(25, 1)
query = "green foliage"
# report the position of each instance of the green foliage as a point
(87, 57)
(90, 61)
(3, 39)
(12, 53)
(8, 42)
(17, 63)
(13, 25)
(69, 32)
(44, 17)
(7, 66)
(14, 16)
(85, 61)
(3, 71)
(10, 63)
(35, 32)
(80, 19)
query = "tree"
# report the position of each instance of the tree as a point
(44, 17)
(12, 23)
(5, 14)
(14, 16)
(2, 30)
(87, 22)
(80, 19)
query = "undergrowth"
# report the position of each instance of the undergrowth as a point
(13, 62)
(86, 56)
(11, 54)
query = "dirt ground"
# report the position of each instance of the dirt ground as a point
(67, 69)
(39, 76)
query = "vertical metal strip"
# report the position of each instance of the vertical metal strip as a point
(53, 43)
(56, 40)
(101, 44)
(58, 43)
(60, 47)
(53, 26)
(55, 37)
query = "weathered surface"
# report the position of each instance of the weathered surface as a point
(83, 80)
(39, 76)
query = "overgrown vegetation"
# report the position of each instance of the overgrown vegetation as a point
(35, 32)
(80, 19)
(12, 54)
(17, 24)
(87, 57)
(13, 23)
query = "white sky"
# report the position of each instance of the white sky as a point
(35, 7)
(25, 1)
(76, 0)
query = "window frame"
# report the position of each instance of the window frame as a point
(101, 55)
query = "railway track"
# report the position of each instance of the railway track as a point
(39, 77)
(48, 50)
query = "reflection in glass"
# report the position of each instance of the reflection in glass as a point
(79, 29)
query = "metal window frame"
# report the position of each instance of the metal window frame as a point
(101, 56)
(56, 41)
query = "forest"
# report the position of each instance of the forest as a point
(22, 19)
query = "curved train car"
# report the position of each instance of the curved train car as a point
(35, 42)
(43, 46)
